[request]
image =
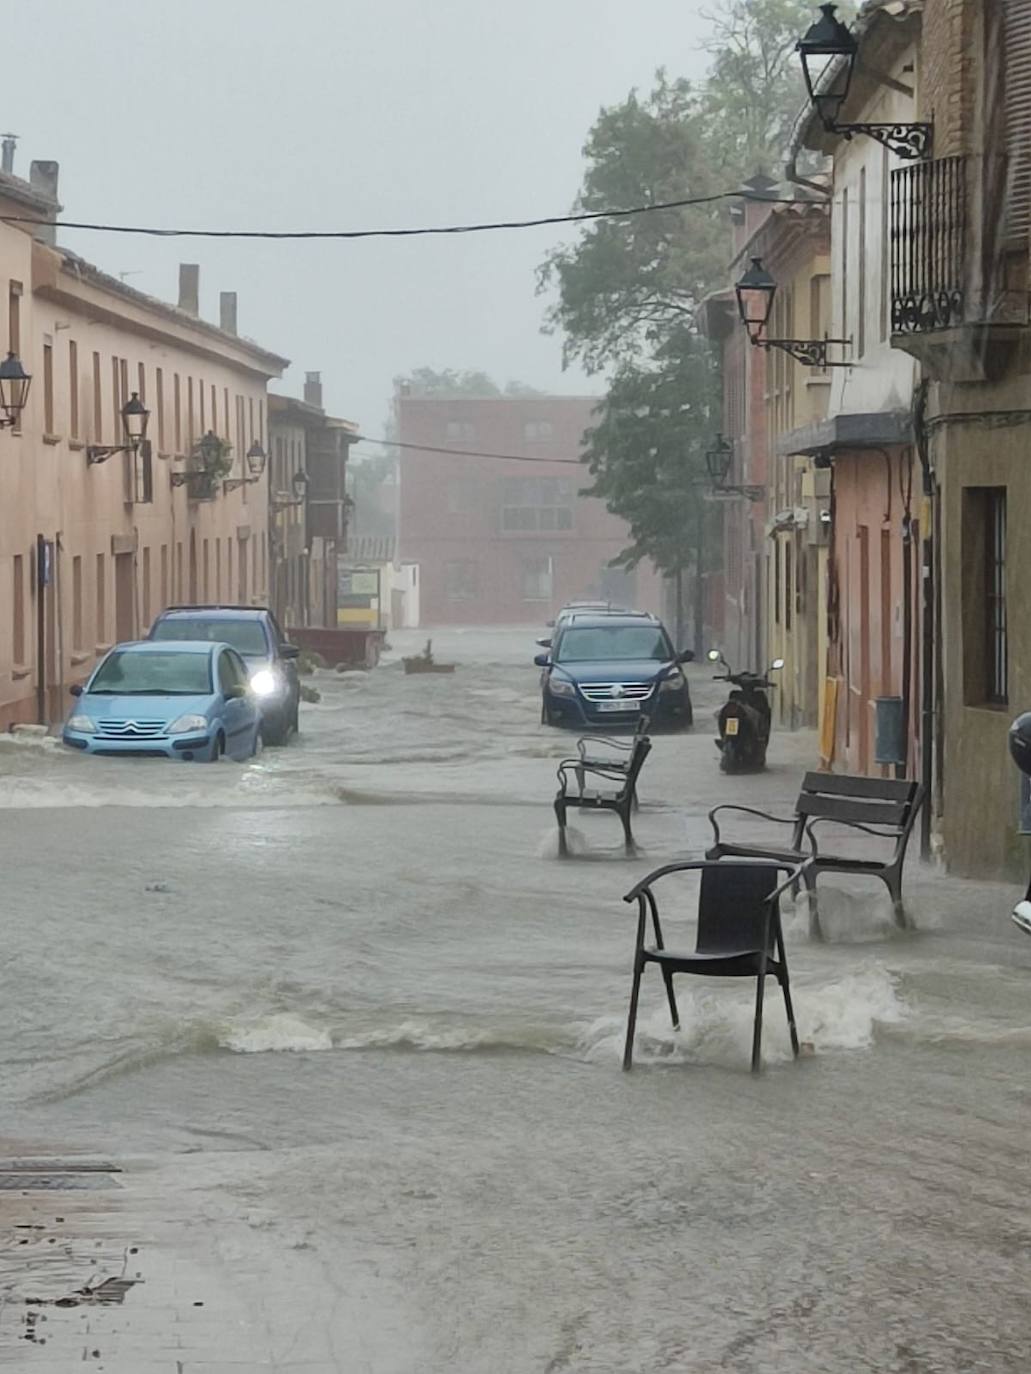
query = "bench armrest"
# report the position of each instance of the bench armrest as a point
(581, 766)
(746, 811)
(883, 832)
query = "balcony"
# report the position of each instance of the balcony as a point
(961, 324)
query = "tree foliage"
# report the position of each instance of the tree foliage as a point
(426, 381)
(646, 453)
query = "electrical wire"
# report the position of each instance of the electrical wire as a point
(467, 453)
(422, 231)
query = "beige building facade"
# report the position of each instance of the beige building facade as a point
(90, 551)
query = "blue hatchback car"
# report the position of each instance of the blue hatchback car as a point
(610, 669)
(188, 700)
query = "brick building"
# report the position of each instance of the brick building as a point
(499, 541)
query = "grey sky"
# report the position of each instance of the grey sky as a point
(338, 114)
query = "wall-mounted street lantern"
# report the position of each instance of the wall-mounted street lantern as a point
(14, 390)
(256, 460)
(718, 461)
(829, 50)
(135, 416)
(299, 482)
(202, 480)
(755, 292)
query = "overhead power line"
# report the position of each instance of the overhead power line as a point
(422, 231)
(465, 452)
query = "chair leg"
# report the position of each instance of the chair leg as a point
(628, 837)
(667, 978)
(631, 1020)
(785, 988)
(560, 816)
(757, 1031)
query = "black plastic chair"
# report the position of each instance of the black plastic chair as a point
(739, 936)
(621, 801)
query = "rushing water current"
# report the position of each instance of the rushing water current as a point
(356, 975)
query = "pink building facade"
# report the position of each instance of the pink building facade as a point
(119, 539)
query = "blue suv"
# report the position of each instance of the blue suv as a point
(254, 633)
(606, 670)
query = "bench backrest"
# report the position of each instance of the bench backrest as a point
(888, 802)
(642, 748)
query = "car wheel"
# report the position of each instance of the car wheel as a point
(275, 731)
(218, 748)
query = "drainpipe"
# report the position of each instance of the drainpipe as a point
(791, 174)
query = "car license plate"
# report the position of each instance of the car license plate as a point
(731, 726)
(618, 705)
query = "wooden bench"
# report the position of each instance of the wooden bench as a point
(882, 807)
(620, 799)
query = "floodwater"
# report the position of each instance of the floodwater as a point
(350, 1001)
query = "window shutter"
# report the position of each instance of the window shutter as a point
(1017, 50)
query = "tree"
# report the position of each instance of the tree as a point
(628, 282)
(646, 456)
(754, 91)
(425, 381)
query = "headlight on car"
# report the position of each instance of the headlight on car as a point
(187, 725)
(265, 683)
(82, 725)
(676, 682)
(560, 687)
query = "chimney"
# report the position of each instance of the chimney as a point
(189, 287)
(227, 311)
(10, 142)
(43, 178)
(313, 388)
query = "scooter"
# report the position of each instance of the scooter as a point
(1020, 752)
(744, 719)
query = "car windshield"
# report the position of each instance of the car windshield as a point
(601, 642)
(246, 636)
(134, 673)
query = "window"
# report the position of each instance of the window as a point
(460, 580)
(14, 294)
(179, 570)
(101, 603)
(73, 389)
(164, 576)
(133, 673)
(77, 604)
(141, 382)
(48, 388)
(206, 566)
(537, 579)
(460, 431)
(844, 263)
(159, 398)
(985, 642)
(861, 308)
(143, 473)
(533, 505)
(460, 494)
(885, 244)
(214, 409)
(225, 398)
(148, 609)
(538, 431)
(177, 412)
(98, 402)
(18, 618)
(218, 570)
(789, 584)
(200, 399)
(190, 431)
(116, 398)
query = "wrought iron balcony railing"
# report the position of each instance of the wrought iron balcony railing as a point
(929, 266)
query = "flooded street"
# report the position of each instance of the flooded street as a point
(353, 1034)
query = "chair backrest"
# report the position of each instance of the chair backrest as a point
(890, 802)
(732, 906)
(642, 748)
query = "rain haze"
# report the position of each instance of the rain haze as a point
(330, 114)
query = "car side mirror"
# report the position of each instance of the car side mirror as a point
(236, 692)
(542, 661)
(289, 651)
(75, 690)
(544, 643)
(687, 656)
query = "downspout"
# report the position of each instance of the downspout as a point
(929, 602)
(791, 174)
